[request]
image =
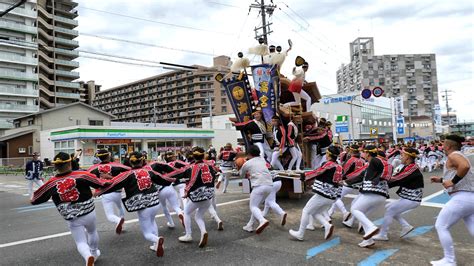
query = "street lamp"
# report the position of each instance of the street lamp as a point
(352, 118)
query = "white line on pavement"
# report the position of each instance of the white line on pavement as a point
(433, 195)
(21, 242)
(423, 201)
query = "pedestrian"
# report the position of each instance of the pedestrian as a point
(327, 179)
(261, 183)
(142, 197)
(33, 173)
(458, 179)
(108, 170)
(72, 195)
(200, 191)
(410, 183)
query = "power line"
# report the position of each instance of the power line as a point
(145, 44)
(119, 62)
(154, 21)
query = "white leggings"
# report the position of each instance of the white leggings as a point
(84, 232)
(200, 207)
(180, 188)
(270, 201)
(109, 201)
(315, 207)
(460, 206)
(296, 157)
(275, 162)
(394, 210)
(339, 203)
(264, 149)
(146, 218)
(169, 194)
(38, 182)
(225, 177)
(213, 210)
(298, 97)
(365, 204)
(316, 159)
(257, 196)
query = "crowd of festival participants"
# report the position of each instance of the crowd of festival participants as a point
(186, 183)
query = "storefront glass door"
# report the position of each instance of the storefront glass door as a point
(118, 151)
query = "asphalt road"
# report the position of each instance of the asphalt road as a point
(22, 225)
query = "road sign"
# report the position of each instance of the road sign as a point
(366, 93)
(377, 91)
(401, 126)
(342, 124)
(374, 131)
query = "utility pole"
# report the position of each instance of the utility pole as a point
(209, 98)
(264, 10)
(154, 113)
(446, 98)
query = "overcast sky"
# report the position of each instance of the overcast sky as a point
(320, 31)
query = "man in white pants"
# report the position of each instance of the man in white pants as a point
(142, 196)
(256, 171)
(108, 170)
(200, 191)
(458, 179)
(373, 193)
(296, 154)
(33, 172)
(71, 193)
(410, 183)
(325, 188)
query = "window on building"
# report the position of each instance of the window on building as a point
(30, 150)
(31, 122)
(66, 146)
(96, 122)
(17, 124)
(224, 109)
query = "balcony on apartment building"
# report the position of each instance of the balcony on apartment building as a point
(18, 59)
(18, 75)
(69, 74)
(18, 108)
(15, 91)
(67, 21)
(73, 33)
(18, 27)
(73, 64)
(66, 42)
(68, 95)
(71, 53)
(67, 84)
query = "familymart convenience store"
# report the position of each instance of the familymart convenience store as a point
(121, 140)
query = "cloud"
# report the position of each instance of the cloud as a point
(404, 26)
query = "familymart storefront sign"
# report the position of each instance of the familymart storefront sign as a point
(129, 133)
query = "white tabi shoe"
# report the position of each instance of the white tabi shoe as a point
(443, 262)
(262, 227)
(328, 230)
(380, 237)
(170, 225)
(185, 238)
(248, 228)
(310, 227)
(371, 232)
(203, 241)
(296, 235)
(367, 243)
(406, 230)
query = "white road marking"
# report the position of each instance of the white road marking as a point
(26, 241)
